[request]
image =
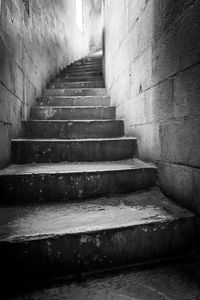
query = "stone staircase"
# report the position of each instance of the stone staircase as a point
(76, 199)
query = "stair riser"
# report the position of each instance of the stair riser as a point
(77, 73)
(79, 101)
(94, 64)
(78, 253)
(81, 71)
(75, 79)
(75, 92)
(74, 130)
(90, 61)
(93, 113)
(67, 85)
(66, 187)
(55, 152)
(80, 74)
(84, 67)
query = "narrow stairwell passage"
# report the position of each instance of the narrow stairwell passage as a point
(72, 155)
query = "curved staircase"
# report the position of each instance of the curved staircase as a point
(76, 198)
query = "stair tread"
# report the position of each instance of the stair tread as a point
(74, 140)
(46, 221)
(79, 89)
(75, 167)
(78, 82)
(75, 97)
(73, 107)
(75, 121)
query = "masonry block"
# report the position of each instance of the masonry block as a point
(180, 141)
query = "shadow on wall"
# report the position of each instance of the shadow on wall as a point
(152, 69)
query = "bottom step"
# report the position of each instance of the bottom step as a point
(42, 242)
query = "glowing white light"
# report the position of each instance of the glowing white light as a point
(79, 14)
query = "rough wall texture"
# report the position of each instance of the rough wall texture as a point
(152, 74)
(37, 38)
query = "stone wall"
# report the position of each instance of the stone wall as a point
(37, 39)
(152, 74)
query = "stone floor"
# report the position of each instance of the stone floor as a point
(176, 280)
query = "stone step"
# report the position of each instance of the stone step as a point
(82, 70)
(74, 101)
(73, 129)
(80, 74)
(72, 112)
(65, 182)
(54, 241)
(91, 60)
(75, 85)
(79, 79)
(75, 92)
(85, 64)
(60, 150)
(83, 67)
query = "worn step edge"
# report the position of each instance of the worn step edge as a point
(72, 112)
(74, 121)
(75, 91)
(78, 74)
(73, 181)
(73, 101)
(78, 79)
(73, 107)
(45, 253)
(60, 150)
(73, 128)
(75, 86)
(74, 140)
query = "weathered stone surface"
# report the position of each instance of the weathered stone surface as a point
(75, 92)
(44, 151)
(82, 74)
(72, 113)
(155, 87)
(65, 85)
(74, 101)
(73, 129)
(180, 141)
(187, 93)
(148, 140)
(77, 79)
(59, 240)
(177, 182)
(35, 43)
(36, 183)
(84, 68)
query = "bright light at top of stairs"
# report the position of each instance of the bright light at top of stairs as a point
(79, 14)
